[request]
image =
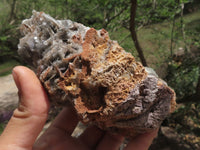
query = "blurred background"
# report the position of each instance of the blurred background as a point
(164, 35)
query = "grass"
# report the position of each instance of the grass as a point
(6, 68)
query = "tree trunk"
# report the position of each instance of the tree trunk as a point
(187, 48)
(12, 10)
(133, 32)
(154, 4)
(172, 36)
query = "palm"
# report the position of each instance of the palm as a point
(58, 136)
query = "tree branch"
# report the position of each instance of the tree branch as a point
(12, 10)
(133, 32)
(140, 27)
(116, 15)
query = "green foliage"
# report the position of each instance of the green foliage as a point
(183, 74)
(183, 77)
(5, 48)
(193, 31)
(6, 67)
(1, 128)
(191, 111)
(155, 12)
(185, 121)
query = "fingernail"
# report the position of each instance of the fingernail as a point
(16, 79)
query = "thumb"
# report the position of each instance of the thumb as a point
(30, 116)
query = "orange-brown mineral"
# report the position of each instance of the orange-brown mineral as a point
(104, 83)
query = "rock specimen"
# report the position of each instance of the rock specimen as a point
(105, 84)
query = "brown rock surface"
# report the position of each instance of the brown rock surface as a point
(105, 84)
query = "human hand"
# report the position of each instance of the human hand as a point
(29, 118)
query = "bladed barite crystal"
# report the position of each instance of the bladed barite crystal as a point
(105, 84)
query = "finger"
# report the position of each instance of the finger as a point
(91, 136)
(30, 116)
(110, 142)
(60, 130)
(142, 142)
(66, 121)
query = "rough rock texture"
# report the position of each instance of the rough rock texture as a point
(105, 84)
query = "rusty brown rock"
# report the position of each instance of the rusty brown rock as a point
(105, 84)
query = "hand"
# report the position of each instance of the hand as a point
(29, 118)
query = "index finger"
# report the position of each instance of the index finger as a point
(59, 133)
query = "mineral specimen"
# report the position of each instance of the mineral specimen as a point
(105, 84)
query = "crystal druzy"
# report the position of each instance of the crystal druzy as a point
(104, 83)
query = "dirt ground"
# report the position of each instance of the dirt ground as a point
(8, 97)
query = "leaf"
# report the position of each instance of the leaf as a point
(3, 38)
